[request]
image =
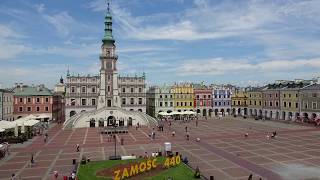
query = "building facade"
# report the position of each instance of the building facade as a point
(106, 99)
(133, 93)
(221, 100)
(183, 97)
(33, 100)
(203, 100)
(309, 98)
(6, 105)
(239, 103)
(81, 94)
(159, 99)
(255, 102)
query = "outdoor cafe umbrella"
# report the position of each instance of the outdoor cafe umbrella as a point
(16, 131)
(22, 128)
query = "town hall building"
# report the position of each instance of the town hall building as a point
(106, 99)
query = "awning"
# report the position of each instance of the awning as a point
(164, 114)
(31, 122)
(2, 130)
(7, 124)
(43, 116)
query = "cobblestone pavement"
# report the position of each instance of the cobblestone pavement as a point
(222, 152)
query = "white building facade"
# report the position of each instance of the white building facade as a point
(91, 100)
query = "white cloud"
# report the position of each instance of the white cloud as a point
(221, 66)
(61, 21)
(40, 8)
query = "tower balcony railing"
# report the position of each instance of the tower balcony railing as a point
(109, 56)
(81, 95)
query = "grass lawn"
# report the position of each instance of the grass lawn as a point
(88, 171)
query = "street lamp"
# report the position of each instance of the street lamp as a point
(115, 157)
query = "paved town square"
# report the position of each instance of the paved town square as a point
(222, 152)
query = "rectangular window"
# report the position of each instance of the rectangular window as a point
(38, 100)
(21, 99)
(297, 105)
(93, 102)
(140, 90)
(166, 104)
(277, 104)
(83, 102)
(177, 103)
(123, 101)
(190, 103)
(284, 95)
(131, 101)
(140, 100)
(20, 109)
(28, 109)
(171, 104)
(209, 96)
(73, 102)
(73, 89)
(29, 100)
(289, 104)
(93, 90)
(83, 89)
(160, 104)
(289, 95)
(46, 108)
(131, 90)
(314, 105)
(47, 99)
(171, 96)
(270, 103)
(108, 88)
(123, 90)
(185, 103)
(38, 109)
(204, 96)
(285, 104)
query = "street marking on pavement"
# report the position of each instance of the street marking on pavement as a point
(85, 136)
(51, 165)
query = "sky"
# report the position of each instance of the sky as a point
(242, 42)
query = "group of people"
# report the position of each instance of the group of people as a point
(269, 136)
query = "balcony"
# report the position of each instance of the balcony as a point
(69, 95)
(109, 56)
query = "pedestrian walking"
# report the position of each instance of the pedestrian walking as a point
(250, 177)
(153, 135)
(173, 133)
(32, 160)
(122, 140)
(78, 147)
(186, 129)
(187, 136)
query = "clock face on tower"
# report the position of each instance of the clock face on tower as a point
(109, 65)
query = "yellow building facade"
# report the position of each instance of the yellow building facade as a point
(183, 97)
(255, 102)
(239, 102)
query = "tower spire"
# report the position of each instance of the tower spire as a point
(108, 38)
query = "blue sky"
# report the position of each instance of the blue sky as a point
(243, 42)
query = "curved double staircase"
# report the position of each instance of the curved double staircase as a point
(70, 123)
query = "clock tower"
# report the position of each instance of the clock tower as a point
(109, 92)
